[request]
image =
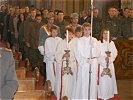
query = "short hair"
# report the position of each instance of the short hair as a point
(59, 11)
(54, 27)
(38, 15)
(50, 15)
(78, 28)
(86, 24)
(110, 7)
(56, 10)
(125, 8)
(70, 29)
(33, 9)
(85, 11)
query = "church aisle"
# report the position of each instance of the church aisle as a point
(125, 87)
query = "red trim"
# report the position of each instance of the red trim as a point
(54, 69)
(98, 74)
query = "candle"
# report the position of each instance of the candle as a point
(67, 38)
(91, 1)
(108, 36)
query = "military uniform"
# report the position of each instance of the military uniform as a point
(25, 31)
(114, 26)
(62, 25)
(97, 25)
(8, 78)
(21, 39)
(126, 27)
(32, 38)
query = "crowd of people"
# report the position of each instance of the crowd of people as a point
(78, 64)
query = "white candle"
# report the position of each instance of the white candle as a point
(67, 38)
(91, 1)
(108, 36)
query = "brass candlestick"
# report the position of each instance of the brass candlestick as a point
(67, 69)
(106, 71)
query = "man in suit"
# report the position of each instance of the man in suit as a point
(8, 78)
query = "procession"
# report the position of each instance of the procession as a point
(74, 56)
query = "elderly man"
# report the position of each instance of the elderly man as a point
(8, 78)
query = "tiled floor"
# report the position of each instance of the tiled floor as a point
(125, 89)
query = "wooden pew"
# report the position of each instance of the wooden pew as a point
(21, 72)
(64, 98)
(37, 74)
(27, 64)
(17, 57)
(30, 83)
(30, 95)
(47, 89)
(27, 84)
(35, 94)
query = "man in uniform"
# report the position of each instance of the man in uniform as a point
(43, 34)
(32, 41)
(113, 23)
(97, 23)
(61, 23)
(8, 78)
(126, 27)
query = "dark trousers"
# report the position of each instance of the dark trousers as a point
(43, 70)
(34, 57)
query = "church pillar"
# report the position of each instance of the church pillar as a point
(38, 4)
(100, 5)
(22, 3)
(87, 4)
(76, 5)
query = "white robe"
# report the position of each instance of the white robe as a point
(50, 48)
(86, 54)
(107, 86)
(65, 82)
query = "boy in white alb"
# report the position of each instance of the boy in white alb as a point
(78, 35)
(50, 48)
(86, 54)
(64, 82)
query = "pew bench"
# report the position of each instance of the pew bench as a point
(21, 73)
(27, 84)
(35, 94)
(30, 95)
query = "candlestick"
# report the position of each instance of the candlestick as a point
(67, 38)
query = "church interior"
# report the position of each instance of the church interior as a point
(33, 84)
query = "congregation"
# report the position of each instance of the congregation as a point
(75, 57)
